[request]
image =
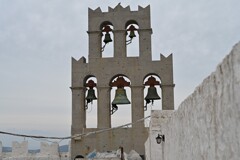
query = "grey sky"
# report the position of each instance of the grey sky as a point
(38, 39)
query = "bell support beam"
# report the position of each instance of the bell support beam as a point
(104, 109)
(145, 44)
(137, 105)
(94, 38)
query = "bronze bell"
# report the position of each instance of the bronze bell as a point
(152, 94)
(120, 97)
(107, 38)
(91, 95)
(132, 34)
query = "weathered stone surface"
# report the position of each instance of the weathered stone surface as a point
(207, 124)
(19, 149)
(49, 149)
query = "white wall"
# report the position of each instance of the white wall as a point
(207, 124)
(19, 149)
(158, 119)
(49, 149)
(47, 152)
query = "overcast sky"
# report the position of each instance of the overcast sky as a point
(39, 37)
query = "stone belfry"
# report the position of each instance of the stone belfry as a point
(109, 72)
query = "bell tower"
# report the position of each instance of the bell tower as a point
(118, 26)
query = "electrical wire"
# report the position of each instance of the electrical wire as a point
(33, 136)
(71, 137)
(108, 129)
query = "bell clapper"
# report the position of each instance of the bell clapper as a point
(147, 102)
(129, 41)
(114, 108)
(91, 107)
(102, 49)
(86, 106)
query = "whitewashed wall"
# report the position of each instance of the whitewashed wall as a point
(49, 149)
(158, 119)
(207, 124)
(19, 149)
(47, 152)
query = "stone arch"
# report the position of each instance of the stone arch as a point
(149, 74)
(130, 22)
(78, 157)
(92, 107)
(117, 75)
(124, 113)
(157, 103)
(105, 23)
(107, 39)
(132, 38)
(87, 77)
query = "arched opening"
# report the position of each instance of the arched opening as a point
(107, 39)
(132, 38)
(152, 95)
(91, 102)
(120, 96)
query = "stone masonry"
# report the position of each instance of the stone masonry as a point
(136, 69)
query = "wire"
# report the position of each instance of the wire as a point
(108, 129)
(32, 136)
(71, 137)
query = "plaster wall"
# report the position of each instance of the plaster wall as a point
(207, 124)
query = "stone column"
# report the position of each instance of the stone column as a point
(139, 132)
(119, 43)
(104, 117)
(145, 51)
(137, 105)
(78, 110)
(94, 44)
(167, 96)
